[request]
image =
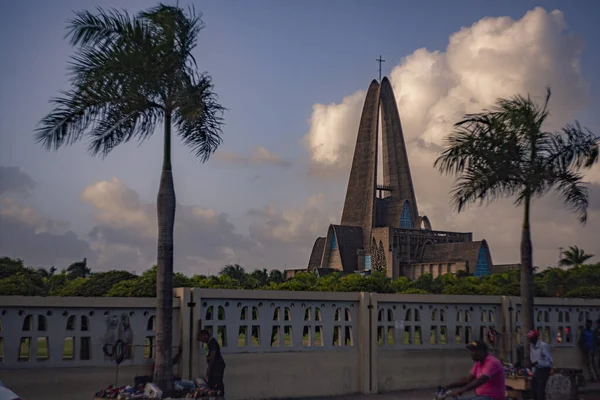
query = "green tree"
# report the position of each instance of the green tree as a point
(56, 282)
(276, 276)
(574, 256)
(23, 282)
(129, 74)
(235, 272)
(10, 266)
(47, 273)
(78, 269)
(261, 276)
(504, 152)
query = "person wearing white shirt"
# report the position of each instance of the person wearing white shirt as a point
(541, 362)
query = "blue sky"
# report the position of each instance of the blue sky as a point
(271, 61)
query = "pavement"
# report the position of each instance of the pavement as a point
(590, 392)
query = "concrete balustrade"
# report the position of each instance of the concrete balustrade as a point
(276, 344)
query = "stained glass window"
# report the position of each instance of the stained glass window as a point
(367, 262)
(483, 267)
(406, 220)
(334, 244)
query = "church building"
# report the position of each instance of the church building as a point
(381, 228)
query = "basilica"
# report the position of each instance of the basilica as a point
(381, 228)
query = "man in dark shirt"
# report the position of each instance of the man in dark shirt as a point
(587, 345)
(215, 369)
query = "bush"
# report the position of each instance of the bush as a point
(17, 279)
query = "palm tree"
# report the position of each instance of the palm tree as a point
(276, 276)
(79, 269)
(47, 273)
(261, 276)
(574, 256)
(504, 152)
(235, 272)
(129, 75)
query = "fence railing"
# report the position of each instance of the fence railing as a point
(51, 332)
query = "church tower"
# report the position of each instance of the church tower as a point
(381, 227)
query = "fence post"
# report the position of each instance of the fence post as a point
(364, 343)
(196, 353)
(373, 348)
(186, 312)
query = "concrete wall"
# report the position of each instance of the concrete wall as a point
(412, 369)
(284, 344)
(428, 349)
(308, 362)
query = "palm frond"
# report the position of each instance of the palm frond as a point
(573, 147)
(198, 116)
(115, 93)
(179, 32)
(486, 159)
(127, 73)
(574, 256)
(573, 192)
(121, 123)
(68, 122)
(88, 29)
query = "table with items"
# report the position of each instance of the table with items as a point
(184, 389)
(517, 381)
(563, 383)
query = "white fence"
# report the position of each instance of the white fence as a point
(341, 342)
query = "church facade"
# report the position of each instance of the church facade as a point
(381, 228)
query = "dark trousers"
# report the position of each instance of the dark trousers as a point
(216, 383)
(538, 383)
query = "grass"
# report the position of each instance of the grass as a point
(433, 337)
(43, 353)
(275, 338)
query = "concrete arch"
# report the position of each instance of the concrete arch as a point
(359, 205)
(425, 223)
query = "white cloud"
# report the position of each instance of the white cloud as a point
(295, 225)
(285, 236)
(495, 57)
(126, 232)
(27, 216)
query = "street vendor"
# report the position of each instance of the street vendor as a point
(486, 376)
(541, 362)
(215, 363)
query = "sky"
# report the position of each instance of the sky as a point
(292, 75)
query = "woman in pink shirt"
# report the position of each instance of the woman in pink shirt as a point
(486, 377)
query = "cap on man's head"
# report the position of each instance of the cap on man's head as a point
(533, 334)
(477, 345)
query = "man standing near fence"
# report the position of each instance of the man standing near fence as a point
(588, 347)
(541, 362)
(215, 368)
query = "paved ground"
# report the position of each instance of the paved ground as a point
(590, 392)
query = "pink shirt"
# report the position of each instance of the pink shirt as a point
(495, 386)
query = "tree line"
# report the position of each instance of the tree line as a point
(579, 281)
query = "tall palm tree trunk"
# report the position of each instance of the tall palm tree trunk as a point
(527, 287)
(163, 372)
